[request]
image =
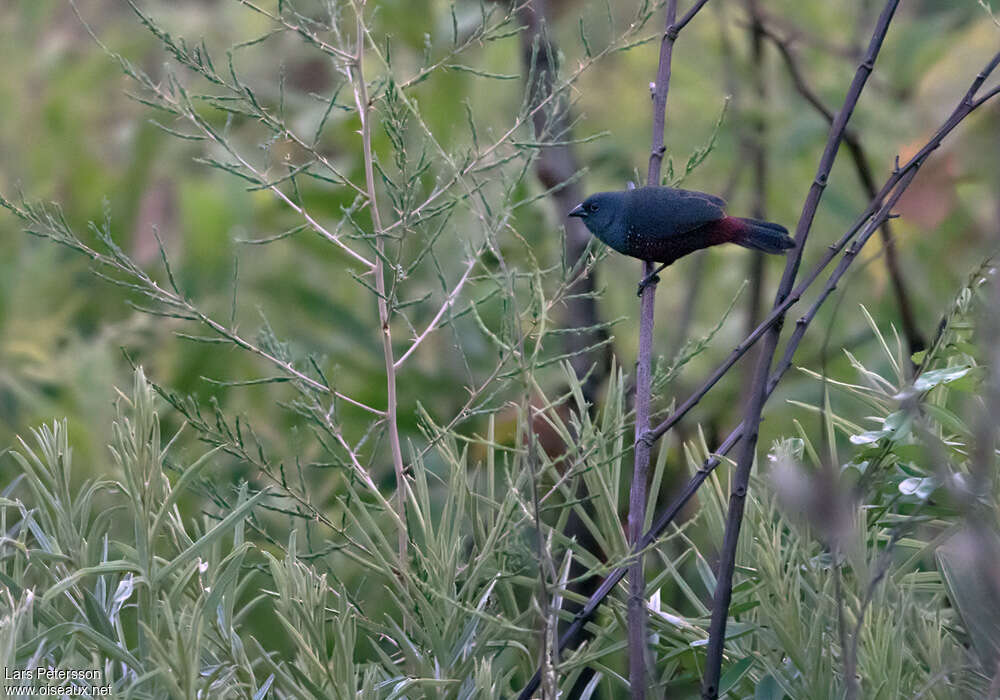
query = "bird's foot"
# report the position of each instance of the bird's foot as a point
(646, 281)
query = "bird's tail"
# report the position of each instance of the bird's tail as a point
(762, 235)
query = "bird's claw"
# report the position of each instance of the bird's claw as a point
(652, 279)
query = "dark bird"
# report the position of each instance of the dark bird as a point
(662, 224)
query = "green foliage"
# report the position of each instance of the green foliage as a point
(838, 569)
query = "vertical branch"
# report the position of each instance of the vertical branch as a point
(644, 364)
(758, 392)
(637, 494)
(391, 422)
(643, 385)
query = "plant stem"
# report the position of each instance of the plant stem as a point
(758, 391)
(391, 422)
(638, 496)
(911, 331)
(638, 492)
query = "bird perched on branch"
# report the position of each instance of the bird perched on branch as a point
(662, 224)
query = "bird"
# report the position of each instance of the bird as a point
(661, 224)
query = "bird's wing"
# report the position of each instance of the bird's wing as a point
(664, 211)
(717, 201)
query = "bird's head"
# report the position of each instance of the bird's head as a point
(600, 212)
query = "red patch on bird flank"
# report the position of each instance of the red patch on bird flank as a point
(725, 230)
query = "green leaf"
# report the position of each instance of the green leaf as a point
(60, 632)
(929, 380)
(705, 571)
(768, 689)
(947, 419)
(225, 525)
(180, 487)
(108, 567)
(734, 673)
(96, 615)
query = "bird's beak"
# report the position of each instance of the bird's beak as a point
(579, 211)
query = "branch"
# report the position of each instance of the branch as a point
(638, 496)
(914, 338)
(302, 31)
(356, 73)
(758, 391)
(448, 302)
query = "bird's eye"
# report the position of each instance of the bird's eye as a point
(592, 207)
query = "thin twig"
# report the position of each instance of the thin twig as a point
(755, 402)
(911, 332)
(392, 427)
(298, 29)
(448, 302)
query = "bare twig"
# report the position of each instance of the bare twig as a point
(448, 303)
(643, 385)
(364, 112)
(755, 402)
(911, 331)
(851, 51)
